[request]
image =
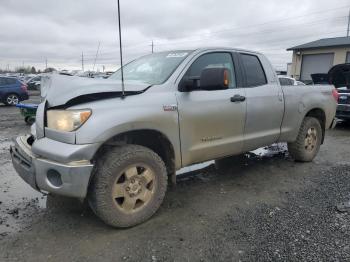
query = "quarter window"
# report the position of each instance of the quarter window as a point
(212, 60)
(255, 75)
(286, 81)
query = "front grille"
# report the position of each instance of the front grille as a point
(344, 99)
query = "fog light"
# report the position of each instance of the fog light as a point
(54, 178)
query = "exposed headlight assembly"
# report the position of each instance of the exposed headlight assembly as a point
(67, 120)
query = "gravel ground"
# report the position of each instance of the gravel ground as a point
(260, 207)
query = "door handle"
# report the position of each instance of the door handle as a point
(237, 98)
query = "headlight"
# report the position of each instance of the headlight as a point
(67, 120)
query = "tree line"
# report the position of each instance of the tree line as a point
(28, 70)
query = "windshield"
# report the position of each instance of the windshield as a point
(152, 69)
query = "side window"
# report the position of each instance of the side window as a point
(213, 60)
(286, 81)
(254, 71)
(283, 81)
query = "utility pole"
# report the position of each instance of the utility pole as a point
(82, 61)
(347, 34)
(152, 46)
(98, 48)
(121, 50)
(45, 63)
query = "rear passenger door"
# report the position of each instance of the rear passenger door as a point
(265, 105)
(3, 88)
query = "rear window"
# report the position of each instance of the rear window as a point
(286, 81)
(255, 75)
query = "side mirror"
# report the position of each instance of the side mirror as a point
(189, 84)
(216, 78)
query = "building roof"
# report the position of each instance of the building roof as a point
(323, 43)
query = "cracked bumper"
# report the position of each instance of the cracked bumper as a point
(70, 179)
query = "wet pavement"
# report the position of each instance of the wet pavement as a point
(257, 207)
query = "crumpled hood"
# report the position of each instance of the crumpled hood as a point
(59, 89)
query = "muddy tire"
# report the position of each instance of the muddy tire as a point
(308, 142)
(128, 185)
(29, 120)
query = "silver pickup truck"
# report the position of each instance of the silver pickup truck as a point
(119, 149)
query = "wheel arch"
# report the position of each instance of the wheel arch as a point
(150, 138)
(320, 115)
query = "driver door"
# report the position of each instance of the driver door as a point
(211, 122)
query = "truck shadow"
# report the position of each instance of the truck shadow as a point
(344, 125)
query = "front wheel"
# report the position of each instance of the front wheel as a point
(308, 142)
(12, 100)
(128, 185)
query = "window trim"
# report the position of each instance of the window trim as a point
(240, 54)
(237, 73)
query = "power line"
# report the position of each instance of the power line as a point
(171, 43)
(347, 34)
(273, 21)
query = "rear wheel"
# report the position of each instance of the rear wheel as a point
(12, 100)
(308, 142)
(29, 120)
(128, 186)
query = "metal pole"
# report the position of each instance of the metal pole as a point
(121, 51)
(82, 61)
(347, 34)
(98, 48)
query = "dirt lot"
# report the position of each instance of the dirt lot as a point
(263, 207)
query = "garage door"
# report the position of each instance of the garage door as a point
(315, 64)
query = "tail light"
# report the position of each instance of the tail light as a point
(24, 87)
(335, 94)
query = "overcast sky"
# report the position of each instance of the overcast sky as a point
(33, 30)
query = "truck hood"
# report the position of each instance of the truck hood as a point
(59, 89)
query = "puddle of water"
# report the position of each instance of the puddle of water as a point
(264, 152)
(270, 151)
(18, 201)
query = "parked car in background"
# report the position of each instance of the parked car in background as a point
(289, 81)
(12, 91)
(34, 83)
(339, 76)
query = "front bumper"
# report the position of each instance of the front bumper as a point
(343, 112)
(69, 179)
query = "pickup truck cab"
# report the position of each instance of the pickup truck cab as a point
(120, 149)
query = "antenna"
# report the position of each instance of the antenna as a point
(348, 25)
(121, 52)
